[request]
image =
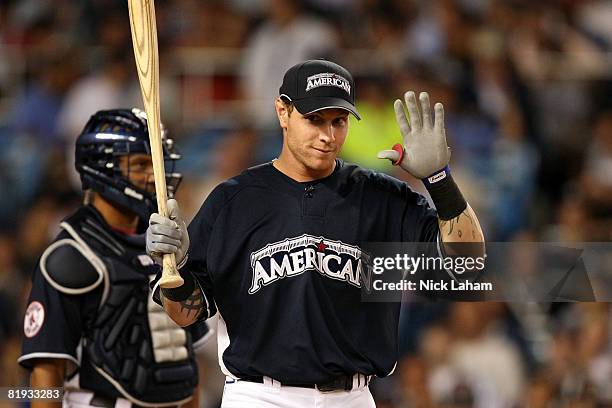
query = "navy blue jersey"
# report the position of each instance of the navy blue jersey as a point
(281, 261)
(90, 305)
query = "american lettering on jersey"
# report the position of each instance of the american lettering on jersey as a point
(294, 256)
(328, 79)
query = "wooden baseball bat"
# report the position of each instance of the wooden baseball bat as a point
(144, 42)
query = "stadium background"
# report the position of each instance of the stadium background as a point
(527, 90)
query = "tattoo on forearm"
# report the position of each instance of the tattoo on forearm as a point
(454, 222)
(451, 224)
(193, 304)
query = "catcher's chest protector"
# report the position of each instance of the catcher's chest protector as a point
(131, 342)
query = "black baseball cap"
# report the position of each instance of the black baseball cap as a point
(314, 85)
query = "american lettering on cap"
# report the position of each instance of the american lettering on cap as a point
(315, 85)
(328, 79)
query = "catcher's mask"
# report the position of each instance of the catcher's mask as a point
(110, 135)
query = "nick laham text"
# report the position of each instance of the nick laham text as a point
(429, 284)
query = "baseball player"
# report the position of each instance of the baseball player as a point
(275, 251)
(90, 325)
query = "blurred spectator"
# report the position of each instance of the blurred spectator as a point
(425, 39)
(250, 8)
(205, 24)
(5, 60)
(488, 364)
(464, 360)
(596, 179)
(14, 285)
(382, 24)
(492, 74)
(12, 281)
(285, 38)
(22, 166)
(36, 230)
(556, 60)
(573, 221)
(540, 393)
(579, 367)
(104, 88)
(378, 129)
(414, 390)
(231, 155)
(594, 18)
(512, 177)
(36, 112)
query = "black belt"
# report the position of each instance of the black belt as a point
(340, 383)
(109, 402)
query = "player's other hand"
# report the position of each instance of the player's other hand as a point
(424, 150)
(168, 235)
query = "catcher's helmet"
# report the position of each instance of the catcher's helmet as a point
(108, 135)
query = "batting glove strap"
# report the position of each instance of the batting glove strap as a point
(445, 194)
(182, 292)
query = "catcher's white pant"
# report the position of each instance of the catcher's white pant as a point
(82, 399)
(240, 394)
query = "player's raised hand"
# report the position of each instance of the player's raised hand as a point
(424, 150)
(168, 235)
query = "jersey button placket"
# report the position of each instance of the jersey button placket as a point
(308, 193)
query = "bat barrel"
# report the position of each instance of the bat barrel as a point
(144, 42)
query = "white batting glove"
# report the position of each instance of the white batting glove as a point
(424, 150)
(168, 235)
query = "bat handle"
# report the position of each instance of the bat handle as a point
(170, 276)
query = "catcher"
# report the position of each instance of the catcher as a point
(90, 325)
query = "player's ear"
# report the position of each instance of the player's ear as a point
(282, 112)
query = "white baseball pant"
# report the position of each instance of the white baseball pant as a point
(240, 394)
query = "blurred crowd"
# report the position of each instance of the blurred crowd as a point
(527, 90)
